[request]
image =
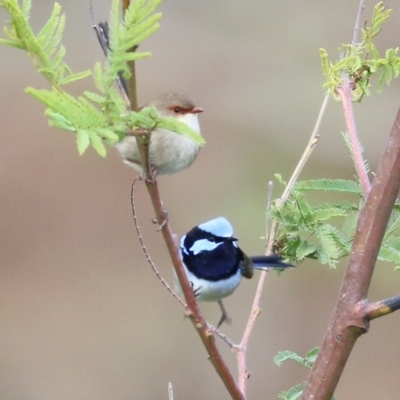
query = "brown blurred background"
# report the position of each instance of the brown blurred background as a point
(82, 315)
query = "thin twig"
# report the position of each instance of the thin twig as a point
(314, 139)
(225, 338)
(255, 309)
(170, 391)
(144, 248)
(268, 207)
(102, 32)
(357, 23)
(344, 91)
(255, 312)
(132, 89)
(382, 308)
(307, 152)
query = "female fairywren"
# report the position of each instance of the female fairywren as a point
(169, 152)
(214, 263)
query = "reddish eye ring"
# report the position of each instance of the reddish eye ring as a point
(177, 110)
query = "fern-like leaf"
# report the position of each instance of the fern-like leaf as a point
(329, 249)
(44, 48)
(330, 185)
(293, 393)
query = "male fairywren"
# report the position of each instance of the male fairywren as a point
(214, 263)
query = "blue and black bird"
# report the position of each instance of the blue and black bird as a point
(215, 264)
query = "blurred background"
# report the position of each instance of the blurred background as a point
(82, 315)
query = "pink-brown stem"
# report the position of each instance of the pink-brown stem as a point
(194, 312)
(344, 91)
(352, 314)
(240, 349)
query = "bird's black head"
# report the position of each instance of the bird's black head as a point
(209, 250)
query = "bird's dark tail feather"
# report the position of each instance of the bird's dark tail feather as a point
(275, 261)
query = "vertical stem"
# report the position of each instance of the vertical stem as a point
(132, 86)
(346, 325)
(345, 95)
(132, 81)
(255, 309)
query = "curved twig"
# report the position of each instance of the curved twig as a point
(144, 248)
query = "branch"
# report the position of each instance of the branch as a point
(132, 90)
(194, 313)
(382, 308)
(344, 91)
(346, 326)
(157, 272)
(357, 24)
(307, 152)
(255, 309)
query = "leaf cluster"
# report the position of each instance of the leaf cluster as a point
(326, 231)
(94, 117)
(45, 48)
(360, 61)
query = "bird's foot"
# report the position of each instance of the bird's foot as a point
(152, 178)
(224, 316)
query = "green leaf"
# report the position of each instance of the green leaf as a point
(390, 254)
(343, 205)
(293, 393)
(82, 141)
(95, 97)
(108, 134)
(324, 233)
(305, 249)
(312, 355)
(333, 185)
(307, 361)
(181, 128)
(138, 24)
(279, 178)
(98, 145)
(75, 77)
(44, 48)
(97, 119)
(394, 225)
(283, 356)
(328, 213)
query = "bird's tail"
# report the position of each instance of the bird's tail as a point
(275, 261)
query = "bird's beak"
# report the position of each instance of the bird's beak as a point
(196, 110)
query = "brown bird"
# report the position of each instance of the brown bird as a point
(169, 152)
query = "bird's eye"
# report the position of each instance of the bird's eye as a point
(177, 110)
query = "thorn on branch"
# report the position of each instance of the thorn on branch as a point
(163, 222)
